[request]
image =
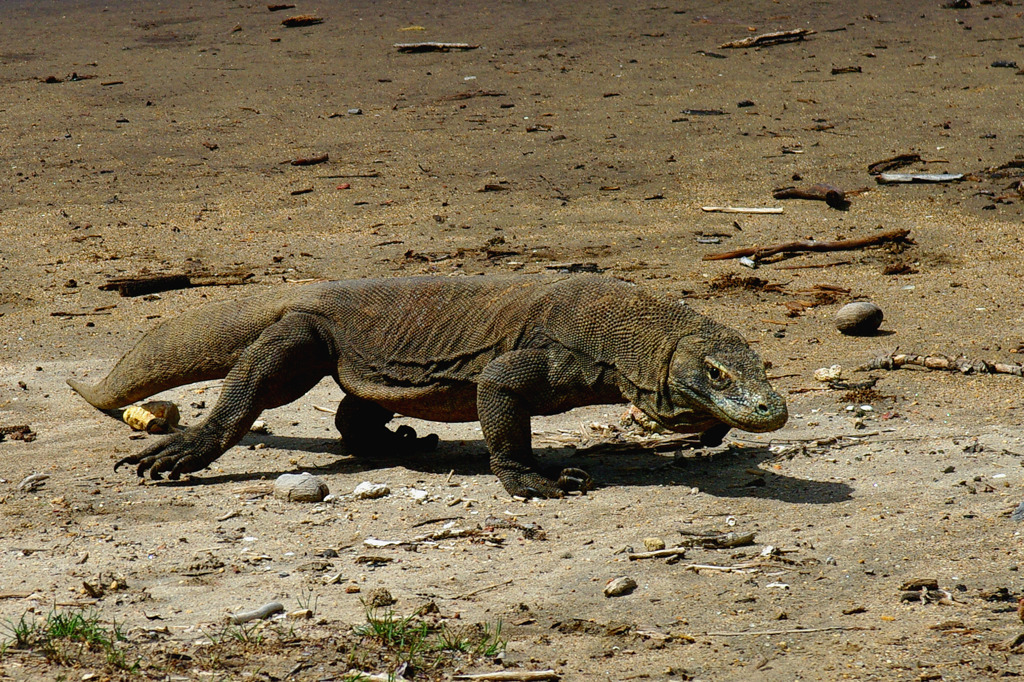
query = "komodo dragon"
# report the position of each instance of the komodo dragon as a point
(451, 349)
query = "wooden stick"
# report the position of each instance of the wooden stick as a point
(831, 195)
(812, 245)
(484, 589)
(527, 675)
(433, 47)
(815, 265)
(738, 209)
(668, 551)
(943, 363)
(141, 285)
(766, 39)
(793, 631)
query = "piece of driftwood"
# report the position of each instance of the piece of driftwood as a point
(810, 245)
(740, 209)
(302, 20)
(790, 631)
(943, 363)
(310, 160)
(898, 178)
(892, 163)
(433, 47)
(523, 675)
(766, 39)
(831, 195)
(140, 285)
(658, 553)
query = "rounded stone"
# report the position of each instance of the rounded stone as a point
(304, 487)
(858, 318)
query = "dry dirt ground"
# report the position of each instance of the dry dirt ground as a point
(161, 145)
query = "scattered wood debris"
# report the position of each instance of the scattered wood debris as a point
(262, 613)
(767, 39)
(942, 363)
(302, 20)
(741, 209)
(18, 432)
(898, 178)
(311, 160)
(140, 285)
(811, 245)
(32, 482)
(433, 47)
(831, 195)
(470, 95)
(522, 675)
(926, 591)
(892, 163)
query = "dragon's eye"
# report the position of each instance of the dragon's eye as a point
(717, 376)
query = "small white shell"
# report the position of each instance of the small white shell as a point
(304, 487)
(858, 318)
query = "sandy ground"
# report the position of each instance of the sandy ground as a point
(162, 146)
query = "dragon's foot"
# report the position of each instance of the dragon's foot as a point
(402, 441)
(531, 484)
(177, 454)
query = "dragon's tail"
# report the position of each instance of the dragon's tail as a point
(199, 345)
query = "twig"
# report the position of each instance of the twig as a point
(766, 39)
(668, 551)
(943, 363)
(831, 195)
(433, 47)
(484, 589)
(815, 265)
(811, 245)
(261, 613)
(151, 284)
(738, 209)
(526, 675)
(437, 520)
(310, 160)
(324, 409)
(792, 631)
(891, 178)
(892, 163)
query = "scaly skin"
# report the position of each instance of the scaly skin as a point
(497, 350)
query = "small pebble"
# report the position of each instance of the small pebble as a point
(654, 544)
(617, 587)
(355, 112)
(370, 491)
(259, 426)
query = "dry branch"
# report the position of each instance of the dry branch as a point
(741, 209)
(658, 553)
(811, 245)
(766, 39)
(141, 285)
(525, 675)
(831, 195)
(433, 47)
(942, 363)
(790, 631)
